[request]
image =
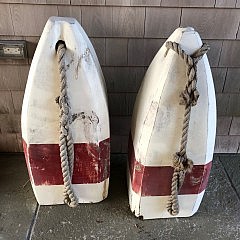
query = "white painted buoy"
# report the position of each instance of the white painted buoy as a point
(157, 128)
(89, 119)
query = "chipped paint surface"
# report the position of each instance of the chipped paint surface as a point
(91, 163)
(86, 89)
(156, 181)
(89, 121)
(156, 131)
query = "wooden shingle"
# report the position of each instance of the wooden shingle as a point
(219, 76)
(230, 54)
(99, 47)
(118, 2)
(119, 144)
(87, 2)
(187, 3)
(214, 52)
(223, 125)
(145, 2)
(233, 107)
(46, 1)
(10, 123)
(13, 77)
(9, 143)
(120, 125)
(116, 51)
(161, 22)
(222, 104)
(225, 3)
(6, 25)
(97, 21)
(29, 20)
(128, 21)
(212, 23)
(142, 51)
(11, 1)
(235, 126)
(34, 1)
(17, 97)
(232, 84)
(226, 144)
(238, 4)
(121, 104)
(70, 11)
(6, 102)
(123, 79)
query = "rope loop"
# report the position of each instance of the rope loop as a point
(65, 138)
(188, 97)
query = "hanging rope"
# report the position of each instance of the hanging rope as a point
(189, 98)
(66, 141)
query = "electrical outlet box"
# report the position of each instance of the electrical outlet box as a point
(13, 49)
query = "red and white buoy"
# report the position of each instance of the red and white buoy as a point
(88, 119)
(156, 132)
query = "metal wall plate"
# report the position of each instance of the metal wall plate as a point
(12, 49)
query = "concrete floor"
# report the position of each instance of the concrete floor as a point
(21, 217)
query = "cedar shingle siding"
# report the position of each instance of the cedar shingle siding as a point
(126, 35)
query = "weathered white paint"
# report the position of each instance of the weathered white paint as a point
(87, 98)
(157, 117)
(155, 206)
(87, 193)
(86, 87)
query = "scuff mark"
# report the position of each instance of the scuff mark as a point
(148, 123)
(138, 167)
(151, 113)
(163, 118)
(195, 181)
(84, 56)
(90, 122)
(68, 65)
(77, 68)
(93, 118)
(105, 190)
(80, 116)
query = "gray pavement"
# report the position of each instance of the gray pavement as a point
(217, 218)
(17, 202)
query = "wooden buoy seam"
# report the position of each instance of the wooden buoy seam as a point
(189, 98)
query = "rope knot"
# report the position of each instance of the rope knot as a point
(183, 162)
(190, 95)
(189, 98)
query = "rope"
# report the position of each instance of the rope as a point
(66, 141)
(189, 98)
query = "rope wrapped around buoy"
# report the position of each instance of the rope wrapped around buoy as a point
(189, 98)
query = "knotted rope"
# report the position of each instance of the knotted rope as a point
(189, 98)
(66, 141)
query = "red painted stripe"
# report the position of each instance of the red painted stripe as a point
(156, 181)
(91, 163)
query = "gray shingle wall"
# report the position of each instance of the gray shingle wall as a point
(126, 35)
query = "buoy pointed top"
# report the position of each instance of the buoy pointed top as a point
(62, 19)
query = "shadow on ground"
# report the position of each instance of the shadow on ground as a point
(17, 202)
(217, 218)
